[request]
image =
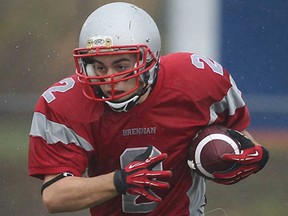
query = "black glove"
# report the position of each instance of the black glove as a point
(252, 159)
(138, 178)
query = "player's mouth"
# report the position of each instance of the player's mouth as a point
(116, 92)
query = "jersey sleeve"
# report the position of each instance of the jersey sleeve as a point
(55, 145)
(210, 90)
(221, 96)
(231, 111)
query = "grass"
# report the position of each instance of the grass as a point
(20, 194)
(14, 133)
(262, 194)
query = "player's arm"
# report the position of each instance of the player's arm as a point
(251, 159)
(75, 193)
(248, 135)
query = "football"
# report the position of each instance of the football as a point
(207, 148)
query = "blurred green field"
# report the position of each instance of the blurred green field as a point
(263, 194)
(20, 194)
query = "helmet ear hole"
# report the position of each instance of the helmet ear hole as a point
(90, 70)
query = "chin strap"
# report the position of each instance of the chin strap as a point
(125, 106)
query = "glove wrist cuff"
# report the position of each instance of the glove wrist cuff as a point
(265, 158)
(119, 182)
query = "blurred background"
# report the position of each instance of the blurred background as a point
(249, 38)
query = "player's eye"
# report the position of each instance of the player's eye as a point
(126, 65)
(121, 67)
(100, 69)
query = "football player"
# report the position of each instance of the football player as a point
(114, 137)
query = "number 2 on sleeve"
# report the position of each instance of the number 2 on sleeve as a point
(66, 84)
(198, 61)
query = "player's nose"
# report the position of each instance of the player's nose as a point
(110, 75)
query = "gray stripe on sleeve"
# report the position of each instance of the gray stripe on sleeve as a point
(232, 101)
(53, 132)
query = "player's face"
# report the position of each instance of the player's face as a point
(111, 65)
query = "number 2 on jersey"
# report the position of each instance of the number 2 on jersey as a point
(197, 61)
(66, 84)
(129, 201)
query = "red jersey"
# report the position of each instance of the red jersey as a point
(70, 132)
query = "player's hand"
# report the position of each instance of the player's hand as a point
(138, 178)
(252, 158)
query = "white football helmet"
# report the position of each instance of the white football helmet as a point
(118, 28)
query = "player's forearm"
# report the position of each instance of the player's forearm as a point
(76, 193)
(247, 134)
